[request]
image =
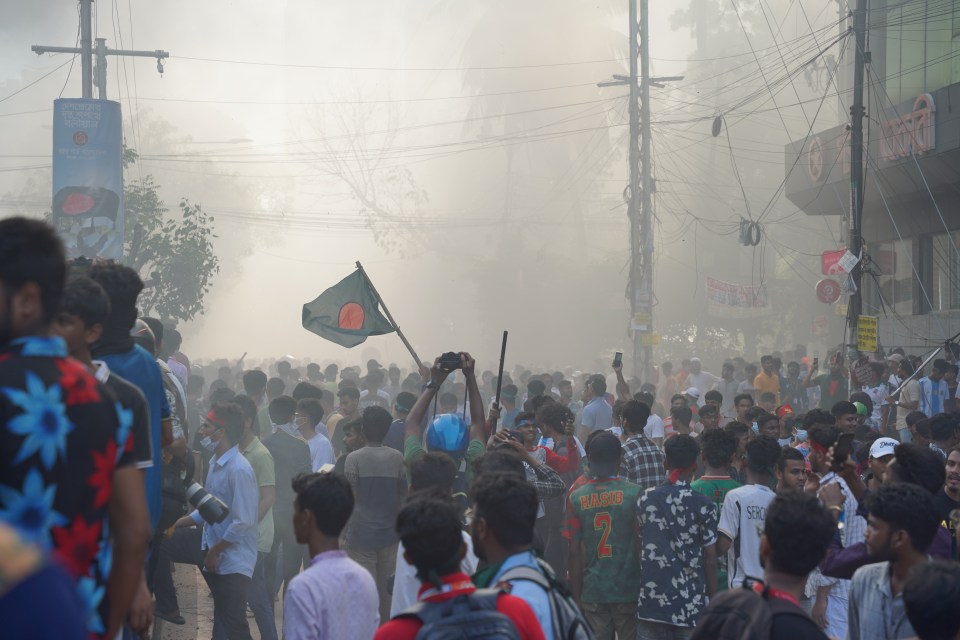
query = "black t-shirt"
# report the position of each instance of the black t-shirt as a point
(132, 399)
(794, 627)
(945, 504)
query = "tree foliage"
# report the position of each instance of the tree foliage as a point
(172, 252)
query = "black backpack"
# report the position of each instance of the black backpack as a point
(468, 616)
(743, 614)
(569, 622)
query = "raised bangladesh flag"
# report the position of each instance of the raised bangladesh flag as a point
(347, 313)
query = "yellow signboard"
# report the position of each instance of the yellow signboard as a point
(867, 338)
(840, 309)
(649, 339)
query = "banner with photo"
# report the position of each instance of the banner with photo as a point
(88, 176)
(730, 300)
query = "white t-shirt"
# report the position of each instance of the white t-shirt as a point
(321, 451)
(741, 520)
(382, 399)
(654, 427)
(405, 583)
(878, 396)
(909, 393)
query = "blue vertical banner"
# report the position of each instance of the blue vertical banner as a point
(88, 176)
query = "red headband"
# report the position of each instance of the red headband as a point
(215, 421)
(819, 448)
(676, 473)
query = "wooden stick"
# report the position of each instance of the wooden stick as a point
(386, 311)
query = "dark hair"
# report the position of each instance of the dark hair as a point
(281, 409)
(328, 497)
(683, 415)
(713, 394)
(599, 385)
(788, 454)
(174, 340)
(825, 435)
(276, 387)
(553, 415)
(255, 382)
(940, 365)
(432, 470)
(719, 445)
(349, 392)
(31, 251)
(500, 460)
(762, 454)
(375, 377)
(156, 326)
(221, 393)
(818, 416)
(843, 408)
(353, 425)
(635, 416)
(524, 415)
(742, 396)
(918, 465)
(681, 451)
(736, 428)
(429, 528)
(798, 529)
(508, 504)
(232, 421)
(536, 387)
(768, 396)
(313, 408)
(930, 597)
(306, 390)
(447, 399)
(943, 426)
(914, 417)
(248, 411)
(708, 410)
(85, 299)
(123, 285)
(906, 507)
(404, 401)
(376, 423)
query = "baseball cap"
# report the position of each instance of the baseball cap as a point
(604, 447)
(861, 408)
(693, 392)
(895, 357)
(883, 447)
(784, 410)
(695, 359)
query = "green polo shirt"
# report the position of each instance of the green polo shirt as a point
(262, 462)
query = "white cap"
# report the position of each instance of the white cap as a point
(694, 359)
(882, 447)
(693, 392)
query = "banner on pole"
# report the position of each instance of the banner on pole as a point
(88, 177)
(730, 300)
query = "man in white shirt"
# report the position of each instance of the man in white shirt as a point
(307, 419)
(596, 414)
(728, 386)
(907, 400)
(933, 389)
(373, 395)
(744, 513)
(702, 380)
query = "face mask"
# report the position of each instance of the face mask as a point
(755, 427)
(290, 428)
(208, 444)
(802, 435)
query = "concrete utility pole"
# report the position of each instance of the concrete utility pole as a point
(861, 58)
(86, 55)
(640, 202)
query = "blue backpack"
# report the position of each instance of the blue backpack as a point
(467, 617)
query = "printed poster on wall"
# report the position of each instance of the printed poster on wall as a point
(88, 177)
(731, 300)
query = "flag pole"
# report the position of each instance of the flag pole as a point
(386, 312)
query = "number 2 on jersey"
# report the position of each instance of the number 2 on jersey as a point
(603, 522)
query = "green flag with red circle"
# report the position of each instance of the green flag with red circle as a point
(347, 313)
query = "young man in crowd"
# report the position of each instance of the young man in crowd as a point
(933, 389)
(948, 498)
(274, 389)
(709, 418)
(768, 380)
(308, 416)
(930, 597)
(719, 447)
(429, 527)
(260, 597)
(596, 414)
(943, 433)
(907, 400)
(430, 473)
(833, 385)
(373, 395)
(881, 453)
(744, 510)
(902, 521)
(378, 478)
(255, 386)
(742, 403)
(291, 457)
(334, 597)
(87, 507)
(796, 532)
(791, 471)
(680, 422)
(604, 562)
(349, 398)
(402, 404)
(643, 462)
(227, 550)
(727, 388)
(678, 555)
(352, 440)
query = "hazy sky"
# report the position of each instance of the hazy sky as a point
(523, 226)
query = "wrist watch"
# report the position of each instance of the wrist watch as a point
(432, 385)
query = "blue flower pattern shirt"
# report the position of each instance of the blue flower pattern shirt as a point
(62, 436)
(676, 523)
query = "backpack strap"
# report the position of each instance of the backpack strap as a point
(525, 573)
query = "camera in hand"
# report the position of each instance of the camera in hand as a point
(450, 361)
(211, 508)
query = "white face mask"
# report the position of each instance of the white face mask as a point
(802, 435)
(208, 444)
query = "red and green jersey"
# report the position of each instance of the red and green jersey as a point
(601, 513)
(716, 488)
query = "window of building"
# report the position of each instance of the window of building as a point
(892, 261)
(945, 263)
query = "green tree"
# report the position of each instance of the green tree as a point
(172, 252)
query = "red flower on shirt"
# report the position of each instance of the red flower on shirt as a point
(102, 477)
(77, 546)
(78, 385)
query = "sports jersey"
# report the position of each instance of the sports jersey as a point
(716, 488)
(741, 520)
(933, 393)
(602, 516)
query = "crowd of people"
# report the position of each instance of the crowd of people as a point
(777, 498)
